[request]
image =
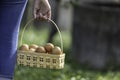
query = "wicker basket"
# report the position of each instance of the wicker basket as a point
(40, 60)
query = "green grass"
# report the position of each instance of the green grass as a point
(71, 71)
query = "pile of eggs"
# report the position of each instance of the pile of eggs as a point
(47, 48)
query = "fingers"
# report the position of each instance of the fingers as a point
(34, 14)
(49, 14)
(42, 16)
(42, 10)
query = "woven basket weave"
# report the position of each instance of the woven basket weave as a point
(40, 60)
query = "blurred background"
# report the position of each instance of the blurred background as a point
(91, 39)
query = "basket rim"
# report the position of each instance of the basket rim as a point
(40, 54)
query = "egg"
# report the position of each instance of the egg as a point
(56, 50)
(32, 49)
(40, 49)
(48, 47)
(24, 47)
(33, 46)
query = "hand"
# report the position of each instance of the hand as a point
(42, 10)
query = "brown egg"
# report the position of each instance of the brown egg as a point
(40, 50)
(33, 46)
(48, 47)
(32, 49)
(56, 50)
(24, 47)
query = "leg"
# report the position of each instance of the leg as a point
(52, 33)
(10, 18)
(1, 78)
(53, 30)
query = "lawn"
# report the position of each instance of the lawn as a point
(71, 71)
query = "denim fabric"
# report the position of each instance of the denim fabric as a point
(1, 78)
(11, 1)
(11, 12)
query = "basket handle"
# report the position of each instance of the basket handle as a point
(49, 21)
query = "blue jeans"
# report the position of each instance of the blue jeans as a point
(11, 12)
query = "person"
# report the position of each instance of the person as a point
(11, 12)
(55, 10)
